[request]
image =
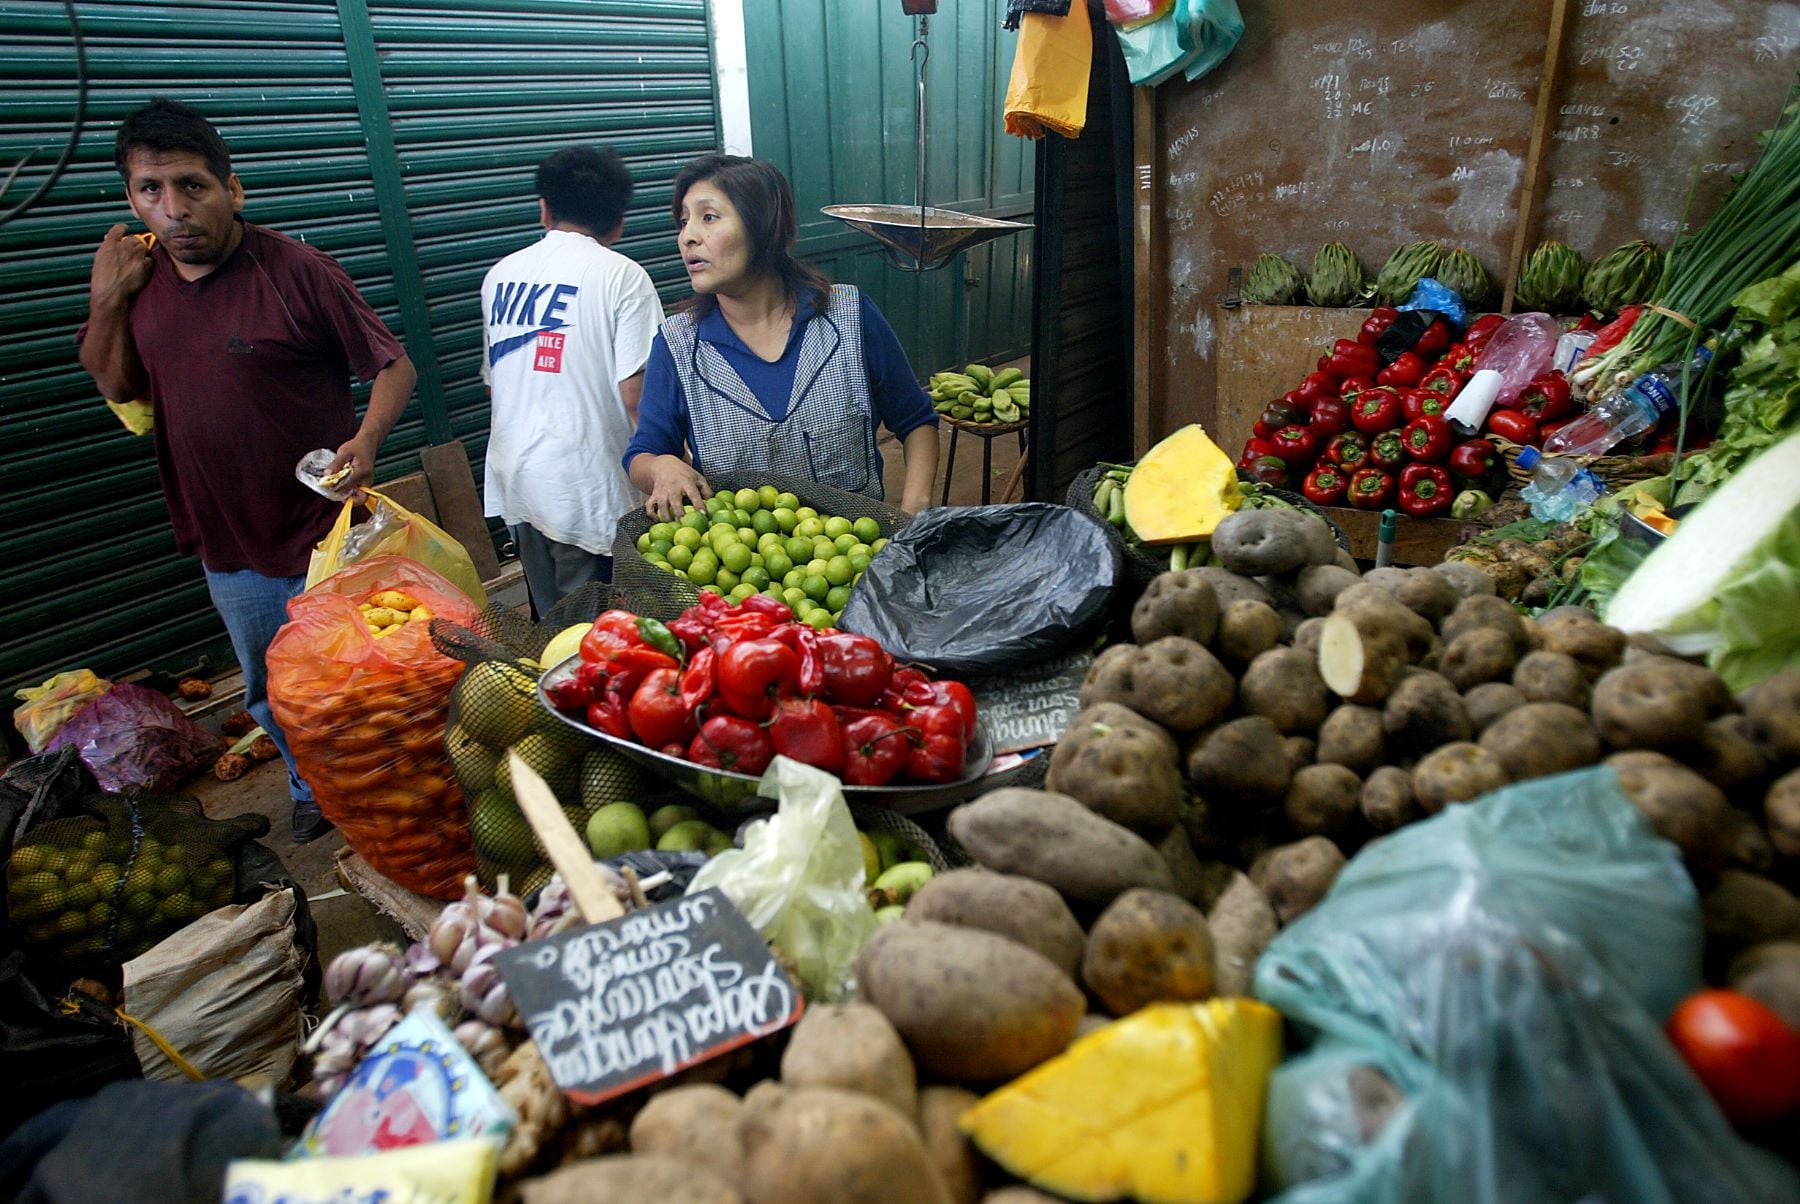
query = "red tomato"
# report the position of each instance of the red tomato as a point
(806, 730)
(1746, 1055)
(857, 669)
(877, 748)
(727, 742)
(656, 713)
(754, 673)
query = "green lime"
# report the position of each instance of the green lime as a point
(740, 517)
(742, 590)
(799, 550)
(746, 499)
(809, 528)
(836, 526)
(786, 501)
(786, 519)
(705, 565)
(757, 560)
(778, 564)
(643, 543)
(747, 534)
(793, 595)
(816, 566)
(821, 619)
(844, 543)
(736, 557)
(688, 538)
(837, 599)
(867, 529)
(712, 589)
(859, 549)
(792, 578)
(877, 545)
(859, 561)
(838, 570)
(805, 511)
(816, 587)
(726, 580)
(757, 577)
(722, 537)
(763, 522)
(856, 578)
(657, 558)
(723, 495)
(823, 548)
(769, 496)
(694, 521)
(662, 530)
(28, 859)
(661, 546)
(679, 558)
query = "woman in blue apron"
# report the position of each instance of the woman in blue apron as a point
(774, 369)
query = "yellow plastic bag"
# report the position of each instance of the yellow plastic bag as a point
(1049, 85)
(394, 530)
(49, 706)
(137, 416)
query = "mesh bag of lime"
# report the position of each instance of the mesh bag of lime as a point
(792, 539)
(112, 875)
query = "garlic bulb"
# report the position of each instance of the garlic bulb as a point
(485, 1043)
(369, 975)
(484, 992)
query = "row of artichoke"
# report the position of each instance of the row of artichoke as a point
(1553, 278)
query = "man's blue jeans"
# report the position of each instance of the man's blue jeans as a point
(254, 608)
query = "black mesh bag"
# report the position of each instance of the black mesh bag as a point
(494, 708)
(649, 589)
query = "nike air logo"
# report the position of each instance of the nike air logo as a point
(237, 346)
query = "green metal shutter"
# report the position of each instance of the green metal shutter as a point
(478, 92)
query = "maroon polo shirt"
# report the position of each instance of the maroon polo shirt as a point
(249, 370)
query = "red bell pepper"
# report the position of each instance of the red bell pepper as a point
(1349, 450)
(657, 714)
(775, 608)
(1301, 402)
(952, 694)
(1513, 425)
(1326, 485)
(1427, 437)
(857, 668)
(730, 743)
(1354, 385)
(1406, 371)
(1254, 448)
(1296, 445)
(1546, 398)
(1269, 470)
(1316, 386)
(1274, 416)
(1425, 489)
(1370, 489)
(1433, 340)
(1443, 380)
(1376, 410)
(1610, 334)
(1330, 417)
(1481, 330)
(1461, 357)
(1379, 319)
(806, 730)
(1417, 403)
(1349, 358)
(1387, 451)
(876, 750)
(1474, 458)
(753, 674)
(939, 750)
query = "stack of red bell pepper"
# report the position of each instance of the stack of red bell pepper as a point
(1374, 435)
(730, 685)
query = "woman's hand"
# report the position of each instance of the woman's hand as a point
(672, 484)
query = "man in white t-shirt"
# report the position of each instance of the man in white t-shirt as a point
(567, 326)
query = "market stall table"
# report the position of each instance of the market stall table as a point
(987, 432)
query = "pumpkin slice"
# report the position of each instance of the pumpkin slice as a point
(1181, 489)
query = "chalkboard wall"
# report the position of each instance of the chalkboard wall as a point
(1385, 121)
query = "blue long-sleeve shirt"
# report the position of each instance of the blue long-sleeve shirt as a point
(663, 424)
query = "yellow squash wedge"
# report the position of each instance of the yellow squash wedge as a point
(1181, 489)
(1164, 1106)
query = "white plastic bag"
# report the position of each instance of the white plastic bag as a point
(799, 878)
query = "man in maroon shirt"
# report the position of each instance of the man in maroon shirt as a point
(243, 340)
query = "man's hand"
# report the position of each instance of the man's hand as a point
(357, 455)
(673, 481)
(122, 267)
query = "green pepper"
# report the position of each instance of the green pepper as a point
(658, 636)
(1470, 503)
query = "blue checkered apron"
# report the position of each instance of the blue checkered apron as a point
(828, 435)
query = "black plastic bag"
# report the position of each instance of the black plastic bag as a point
(987, 589)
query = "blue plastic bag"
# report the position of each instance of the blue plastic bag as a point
(1192, 37)
(1485, 994)
(1439, 298)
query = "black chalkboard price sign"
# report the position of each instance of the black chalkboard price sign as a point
(620, 1004)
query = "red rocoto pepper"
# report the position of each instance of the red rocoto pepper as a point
(691, 630)
(1376, 410)
(1406, 371)
(753, 674)
(1461, 357)
(1376, 324)
(570, 695)
(1370, 488)
(939, 750)
(857, 668)
(1269, 470)
(607, 714)
(1425, 489)
(730, 743)
(1481, 330)
(893, 699)
(1325, 485)
(656, 712)
(1349, 450)
(1513, 425)
(641, 660)
(1349, 358)
(1433, 341)
(1443, 380)
(1417, 403)
(1274, 416)
(700, 678)
(804, 641)
(1387, 451)
(952, 694)
(806, 730)
(1296, 445)
(1546, 398)
(1317, 386)
(1330, 417)
(876, 747)
(1428, 438)
(1474, 458)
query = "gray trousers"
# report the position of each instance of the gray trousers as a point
(553, 569)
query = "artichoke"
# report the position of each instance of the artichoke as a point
(1626, 275)
(1274, 281)
(1551, 281)
(1464, 273)
(1401, 274)
(1337, 277)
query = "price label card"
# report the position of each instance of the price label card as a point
(620, 1004)
(1030, 709)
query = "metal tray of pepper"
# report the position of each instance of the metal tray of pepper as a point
(735, 793)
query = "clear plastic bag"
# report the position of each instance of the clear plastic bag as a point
(1486, 992)
(1523, 347)
(799, 878)
(47, 707)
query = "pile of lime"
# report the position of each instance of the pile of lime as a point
(763, 540)
(77, 891)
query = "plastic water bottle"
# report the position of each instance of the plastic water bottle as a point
(1559, 488)
(1631, 411)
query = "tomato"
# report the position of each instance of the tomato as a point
(857, 669)
(938, 753)
(877, 750)
(806, 730)
(754, 673)
(656, 712)
(1746, 1055)
(727, 742)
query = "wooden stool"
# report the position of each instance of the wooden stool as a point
(987, 432)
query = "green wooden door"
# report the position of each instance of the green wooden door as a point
(399, 136)
(833, 104)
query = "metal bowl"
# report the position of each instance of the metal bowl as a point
(736, 792)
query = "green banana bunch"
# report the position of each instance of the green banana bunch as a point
(979, 394)
(1463, 272)
(1401, 274)
(1272, 280)
(1337, 277)
(1625, 275)
(1551, 281)
(1109, 496)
